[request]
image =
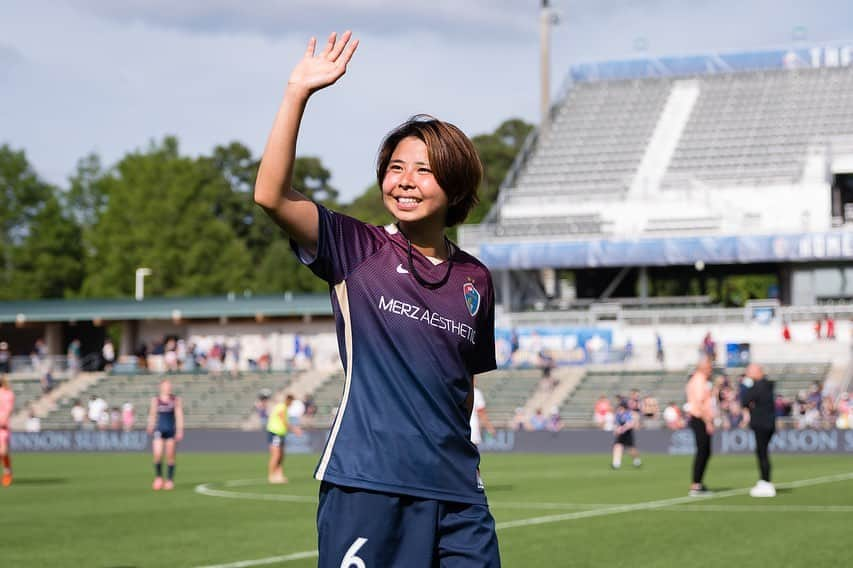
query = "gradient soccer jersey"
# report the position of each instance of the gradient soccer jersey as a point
(409, 353)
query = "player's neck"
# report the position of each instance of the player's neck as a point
(429, 241)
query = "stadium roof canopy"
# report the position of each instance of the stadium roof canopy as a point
(183, 308)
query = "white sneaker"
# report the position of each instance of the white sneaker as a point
(763, 489)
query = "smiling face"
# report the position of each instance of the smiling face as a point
(410, 191)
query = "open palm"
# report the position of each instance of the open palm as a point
(316, 72)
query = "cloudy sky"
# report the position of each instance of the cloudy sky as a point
(108, 76)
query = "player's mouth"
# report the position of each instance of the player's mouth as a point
(407, 203)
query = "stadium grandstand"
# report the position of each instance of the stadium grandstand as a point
(655, 180)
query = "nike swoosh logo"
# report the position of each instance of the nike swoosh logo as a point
(401, 270)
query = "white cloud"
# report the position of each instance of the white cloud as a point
(488, 20)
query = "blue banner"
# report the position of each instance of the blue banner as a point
(803, 247)
(542, 347)
(647, 67)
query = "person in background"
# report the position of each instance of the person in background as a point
(700, 402)
(33, 423)
(759, 399)
(479, 417)
(7, 407)
(626, 423)
(5, 358)
(830, 327)
(672, 416)
(278, 426)
(659, 353)
(128, 417)
(602, 409)
(78, 414)
(538, 421)
(166, 423)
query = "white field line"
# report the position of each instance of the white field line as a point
(760, 508)
(662, 503)
(204, 489)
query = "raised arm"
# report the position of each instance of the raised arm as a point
(291, 210)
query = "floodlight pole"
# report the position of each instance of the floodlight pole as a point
(546, 19)
(141, 273)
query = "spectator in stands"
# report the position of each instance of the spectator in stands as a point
(659, 353)
(673, 417)
(555, 423)
(538, 421)
(108, 354)
(310, 406)
(47, 377)
(781, 409)
(295, 410)
(170, 356)
(649, 408)
(519, 420)
(97, 406)
(830, 328)
(115, 418)
(5, 358)
(78, 414)
(262, 406)
(546, 364)
(818, 326)
(603, 411)
(842, 421)
(709, 347)
(786, 332)
(629, 350)
(72, 356)
(38, 355)
(33, 423)
(128, 416)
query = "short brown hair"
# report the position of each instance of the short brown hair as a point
(452, 157)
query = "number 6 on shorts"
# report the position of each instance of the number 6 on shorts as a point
(350, 559)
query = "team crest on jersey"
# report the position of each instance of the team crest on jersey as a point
(472, 298)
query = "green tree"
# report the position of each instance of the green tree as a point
(22, 196)
(47, 262)
(163, 213)
(497, 152)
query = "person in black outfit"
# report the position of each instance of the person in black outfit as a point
(759, 397)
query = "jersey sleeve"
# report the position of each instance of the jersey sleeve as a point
(342, 244)
(483, 356)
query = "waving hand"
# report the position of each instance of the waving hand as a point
(315, 72)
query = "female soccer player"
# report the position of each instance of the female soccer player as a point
(278, 426)
(415, 320)
(7, 406)
(166, 423)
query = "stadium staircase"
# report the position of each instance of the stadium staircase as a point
(28, 395)
(547, 397)
(506, 390)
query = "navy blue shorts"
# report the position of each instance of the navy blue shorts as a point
(164, 434)
(276, 440)
(625, 438)
(384, 529)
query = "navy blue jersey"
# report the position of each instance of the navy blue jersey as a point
(166, 414)
(623, 416)
(408, 353)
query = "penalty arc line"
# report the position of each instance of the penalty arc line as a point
(647, 505)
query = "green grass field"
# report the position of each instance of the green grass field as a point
(98, 510)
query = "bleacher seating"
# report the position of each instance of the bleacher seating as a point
(504, 391)
(755, 128)
(666, 386)
(210, 401)
(27, 391)
(596, 140)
